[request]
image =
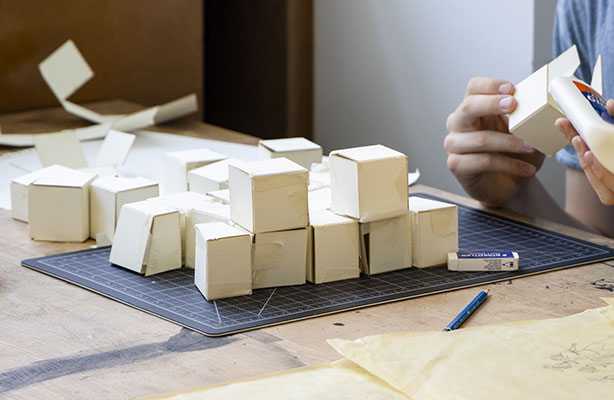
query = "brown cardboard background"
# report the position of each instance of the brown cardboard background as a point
(147, 51)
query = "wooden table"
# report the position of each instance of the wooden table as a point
(60, 341)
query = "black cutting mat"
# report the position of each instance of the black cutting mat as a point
(173, 296)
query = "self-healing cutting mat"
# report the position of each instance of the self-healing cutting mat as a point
(173, 296)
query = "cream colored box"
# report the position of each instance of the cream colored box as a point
(221, 196)
(107, 196)
(435, 231)
(223, 261)
(211, 177)
(369, 183)
(279, 258)
(300, 150)
(386, 245)
(334, 249)
(19, 191)
(58, 206)
(147, 238)
(269, 195)
(184, 202)
(533, 119)
(205, 213)
(178, 163)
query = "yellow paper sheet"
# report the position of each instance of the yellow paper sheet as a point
(328, 381)
(564, 358)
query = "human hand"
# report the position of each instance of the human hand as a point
(599, 177)
(490, 163)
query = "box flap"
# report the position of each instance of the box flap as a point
(27, 179)
(115, 148)
(196, 155)
(61, 148)
(367, 153)
(218, 230)
(597, 79)
(65, 177)
(564, 65)
(120, 184)
(420, 204)
(270, 167)
(289, 144)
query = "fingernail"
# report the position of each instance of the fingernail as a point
(527, 146)
(505, 88)
(505, 103)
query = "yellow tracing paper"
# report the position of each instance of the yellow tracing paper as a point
(564, 358)
(328, 381)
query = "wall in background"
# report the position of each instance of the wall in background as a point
(391, 72)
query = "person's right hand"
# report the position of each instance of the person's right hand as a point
(490, 163)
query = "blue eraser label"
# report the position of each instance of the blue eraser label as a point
(596, 100)
(485, 254)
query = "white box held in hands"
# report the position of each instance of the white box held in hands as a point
(369, 183)
(534, 116)
(178, 163)
(210, 177)
(269, 195)
(334, 249)
(279, 258)
(223, 261)
(107, 196)
(147, 238)
(435, 231)
(386, 245)
(300, 150)
(19, 191)
(58, 206)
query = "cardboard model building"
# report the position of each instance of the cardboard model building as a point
(300, 150)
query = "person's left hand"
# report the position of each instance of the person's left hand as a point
(599, 177)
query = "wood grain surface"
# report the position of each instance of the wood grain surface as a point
(60, 341)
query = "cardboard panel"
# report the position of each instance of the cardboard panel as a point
(142, 51)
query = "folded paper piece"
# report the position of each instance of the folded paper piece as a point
(337, 380)
(114, 149)
(61, 149)
(562, 358)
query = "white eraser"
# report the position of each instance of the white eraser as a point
(483, 261)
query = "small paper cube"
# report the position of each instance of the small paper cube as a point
(147, 238)
(107, 196)
(386, 245)
(280, 258)
(269, 195)
(58, 206)
(300, 150)
(435, 231)
(211, 177)
(205, 213)
(19, 191)
(334, 249)
(178, 163)
(369, 183)
(223, 261)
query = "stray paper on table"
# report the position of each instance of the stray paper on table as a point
(562, 358)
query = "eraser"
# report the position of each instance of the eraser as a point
(483, 261)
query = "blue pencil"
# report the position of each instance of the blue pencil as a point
(467, 311)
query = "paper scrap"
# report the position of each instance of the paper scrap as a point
(413, 177)
(61, 149)
(65, 70)
(562, 358)
(114, 149)
(327, 381)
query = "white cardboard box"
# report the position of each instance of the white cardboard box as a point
(300, 150)
(58, 206)
(210, 177)
(334, 249)
(279, 258)
(533, 119)
(223, 261)
(320, 199)
(386, 245)
(369, 183)
(435, 231)
(184, 202)
(269, 195)
(178, 163)
(147, 238)
(19, 191)
(107, 196)
(205, 213)
(221, 196)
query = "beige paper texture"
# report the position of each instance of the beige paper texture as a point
(327, 381)
(564, 358)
